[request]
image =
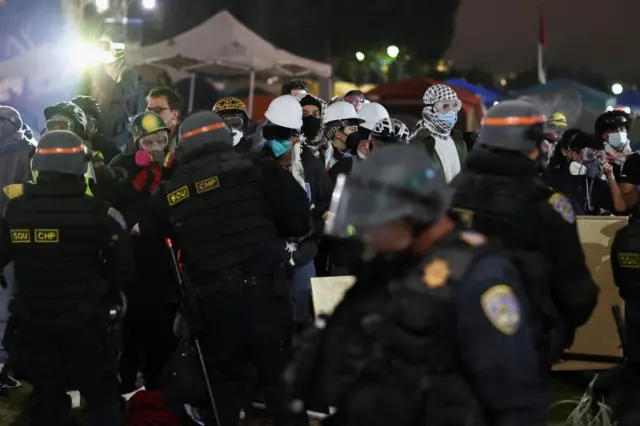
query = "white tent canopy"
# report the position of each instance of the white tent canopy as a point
(223, 45)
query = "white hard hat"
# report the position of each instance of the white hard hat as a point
(285, 111)
(371, 113)
(341, 111)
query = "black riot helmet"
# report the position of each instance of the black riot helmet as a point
(512, 126)
(396, 182)
(611, 121)
(202, 128)
(60, 151)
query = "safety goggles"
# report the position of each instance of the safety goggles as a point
(235, 122)
(52, 125)
(450, 105)
(589, 155)
(154, 142)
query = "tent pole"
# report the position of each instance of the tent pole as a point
(252, 88)
(192, 91)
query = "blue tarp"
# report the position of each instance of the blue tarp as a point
(591, 98)
(488, 96)
(630, 99)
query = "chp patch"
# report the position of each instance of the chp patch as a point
(501, 308)
(629, 260)
(436, 273)
(47, 236)
(562, 205)
(117, 216)
(208, 184)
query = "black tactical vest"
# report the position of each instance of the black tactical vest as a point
(397, 345)
(56, 240)
(625, 259)
(218, 213)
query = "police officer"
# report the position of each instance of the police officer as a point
(434, 329)
(227, 214)
(502, 196)
(59, 239)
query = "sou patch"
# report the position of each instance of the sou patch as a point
(562, 205)
(436, 273)
(501, 308)
(178, 195)
(117, 216)
(474, 239)
(629, 260)
(20, 236)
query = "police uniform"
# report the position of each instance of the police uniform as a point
(501, 195)
(217, 208)
(433, 333)
(58, 239)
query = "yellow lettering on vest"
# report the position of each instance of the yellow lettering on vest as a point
(47, 236)
(629, 260)
(20, 236)
(465, 215)
(207, 184)
(178, 195)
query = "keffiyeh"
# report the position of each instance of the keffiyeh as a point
(430, 119)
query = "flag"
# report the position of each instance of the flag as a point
(542, 44)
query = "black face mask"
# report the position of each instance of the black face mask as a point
(311, 127)
(354, 139)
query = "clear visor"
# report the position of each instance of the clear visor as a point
(154, 142)
(451, 105)
(58, 124)
(355, 209)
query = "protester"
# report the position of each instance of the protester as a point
(168, 104)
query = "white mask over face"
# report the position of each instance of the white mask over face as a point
(577, 169)
(237, 137)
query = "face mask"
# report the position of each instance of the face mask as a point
(279, 148)
(577, 169)
(618, 140)
(450, 118)
(237, 137)
(145, 158)
(311, 127)
(354, 139)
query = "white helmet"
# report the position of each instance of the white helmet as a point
(371, 113)
(342, 112)
(285, 111)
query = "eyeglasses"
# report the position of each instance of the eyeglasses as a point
(158, 110)
(443, 107)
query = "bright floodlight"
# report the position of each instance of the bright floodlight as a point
(617, 88)
(393, 51)
(102, 5)
(149, 4)
(360, 56)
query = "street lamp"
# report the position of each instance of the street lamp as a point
(360, 56)
(102, 5)
(149, 4)
(617, 88)
(393, 51)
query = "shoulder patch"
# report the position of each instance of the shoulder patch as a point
(208, 184)
(629, 260)
(562, 205)
(20, 236)
(117, 216)
(436, 273)
(465, 215)
(178, 195)
(14, 190)
(472, 238)
(501, 308)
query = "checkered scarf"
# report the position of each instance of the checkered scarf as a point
(430, 119)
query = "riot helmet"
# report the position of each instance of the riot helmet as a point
(202, 128)
(10, 120)
(66, 116)
(60, 151)
(512, 126)
(397, 182)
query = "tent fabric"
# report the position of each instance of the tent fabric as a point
(260, 105)
(629, 98)
(223, 44)
(405, 97)
(591, 98)
(488, 96)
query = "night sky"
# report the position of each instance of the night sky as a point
(501, 35)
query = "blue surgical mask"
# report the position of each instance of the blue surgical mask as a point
(617, 140)
(279, 148)
(449, 117)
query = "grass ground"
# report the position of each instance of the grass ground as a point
(564, 387)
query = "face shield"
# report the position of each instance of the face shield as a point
(59, 122)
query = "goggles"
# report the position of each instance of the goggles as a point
(154, 142)
(450, 105)
(52, 125)
(235, 122)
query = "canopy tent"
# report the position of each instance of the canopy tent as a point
(584, 103)
(223, 45)
(487, 96)
(405, 97)
(629, 99)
